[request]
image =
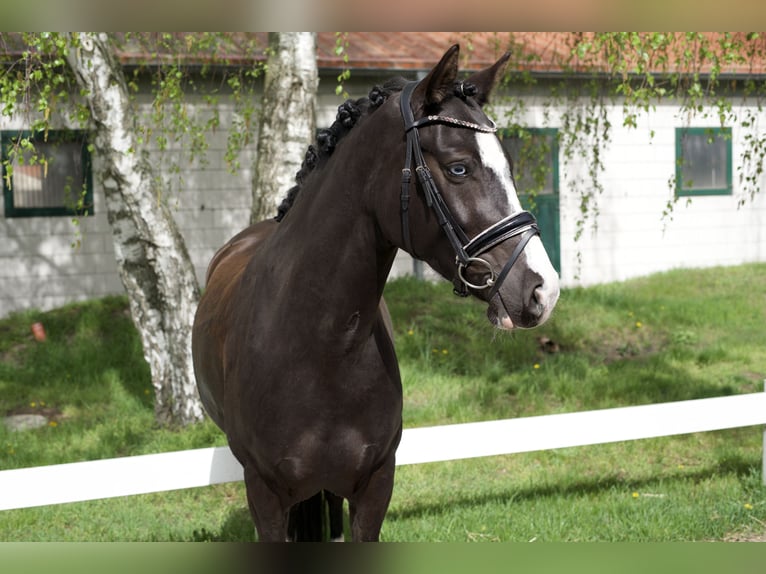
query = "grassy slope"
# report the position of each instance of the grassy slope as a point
(674, 336)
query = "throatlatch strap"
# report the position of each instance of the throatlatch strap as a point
(407, 171)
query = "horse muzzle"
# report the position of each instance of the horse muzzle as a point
(528, 294)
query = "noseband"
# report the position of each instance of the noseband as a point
(467, 251)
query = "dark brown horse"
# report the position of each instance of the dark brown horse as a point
(292, 342)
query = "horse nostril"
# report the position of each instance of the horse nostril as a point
(539, 300)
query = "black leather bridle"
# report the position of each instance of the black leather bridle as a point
(467, 251)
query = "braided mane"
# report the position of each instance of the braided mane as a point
(348, 114)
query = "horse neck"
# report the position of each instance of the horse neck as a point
(329, 248)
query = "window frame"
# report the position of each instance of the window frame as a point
(726, 134)
(52, 136)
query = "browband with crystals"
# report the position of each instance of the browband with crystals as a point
(424, 121)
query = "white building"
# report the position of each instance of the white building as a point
(40, 267)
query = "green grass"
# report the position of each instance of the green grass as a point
(90, 379)
(673, 336)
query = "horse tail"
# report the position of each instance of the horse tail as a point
(309, 519)
(306, 521)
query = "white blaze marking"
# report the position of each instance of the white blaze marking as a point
(492, 156)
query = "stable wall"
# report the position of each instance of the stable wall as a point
(630, 237)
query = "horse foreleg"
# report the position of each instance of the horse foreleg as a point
(368, 507)
(266, 509)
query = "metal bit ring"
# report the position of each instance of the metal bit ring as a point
(462, 266)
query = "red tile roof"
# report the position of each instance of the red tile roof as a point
(421, 50)
(363, 50)
(538, 52)
(535, 51)
(387, 50)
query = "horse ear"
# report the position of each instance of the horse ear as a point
(439, 82)
(486, 79)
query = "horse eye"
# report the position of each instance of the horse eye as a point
(458, 170)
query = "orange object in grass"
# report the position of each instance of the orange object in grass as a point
(38, 332)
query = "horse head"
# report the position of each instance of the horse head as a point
(466, 220)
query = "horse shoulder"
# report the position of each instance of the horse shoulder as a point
(217, 307)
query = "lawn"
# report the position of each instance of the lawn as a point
(672, 336)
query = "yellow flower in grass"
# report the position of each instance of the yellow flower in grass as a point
(639, 324)
(636, 495)
(748, 506)
(536, 366)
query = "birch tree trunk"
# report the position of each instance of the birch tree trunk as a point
(151, 255)
(288, 118)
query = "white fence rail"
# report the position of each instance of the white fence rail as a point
(80, 481)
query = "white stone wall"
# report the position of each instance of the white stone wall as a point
(39, 268)
(213, 204)
(631, 238)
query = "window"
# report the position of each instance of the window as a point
(46, 176)
(703, 161)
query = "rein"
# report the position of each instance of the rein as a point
(467, 251)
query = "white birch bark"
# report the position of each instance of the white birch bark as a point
(288, 118)
(153, 262)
